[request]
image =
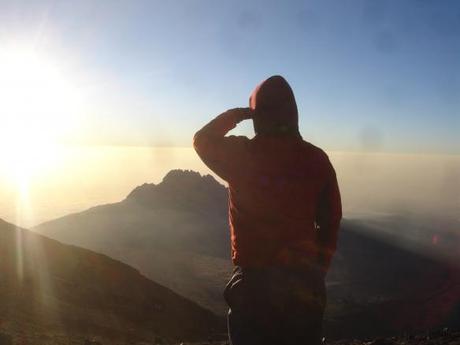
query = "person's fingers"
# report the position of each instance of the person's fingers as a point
(242, 113)
(246, 113)
(238, 110)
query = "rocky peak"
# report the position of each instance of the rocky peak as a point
(189, 179)
(182, 189)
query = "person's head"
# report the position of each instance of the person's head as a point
(275, 109)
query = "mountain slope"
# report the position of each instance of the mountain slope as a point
(380, 286)
(176, 233)
(48, 289)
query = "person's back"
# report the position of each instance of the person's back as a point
(273, 202)
(284, 212)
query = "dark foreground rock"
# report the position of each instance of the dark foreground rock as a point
(5, 339)
(437, 337)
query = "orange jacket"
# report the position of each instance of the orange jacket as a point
(284, 200)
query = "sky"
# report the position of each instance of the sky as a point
(118, 81)
(378, 76)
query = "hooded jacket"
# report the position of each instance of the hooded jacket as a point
(284, 200)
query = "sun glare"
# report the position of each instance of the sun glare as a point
(38, 108)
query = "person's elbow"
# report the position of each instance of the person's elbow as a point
(202, 145)
(198, 141)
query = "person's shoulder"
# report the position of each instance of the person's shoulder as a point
(315, 151)
(237, 143)
(319, 159)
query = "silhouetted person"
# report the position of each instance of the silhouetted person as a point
(284, 212)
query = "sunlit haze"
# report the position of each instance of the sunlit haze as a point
(371, 184)
(39, 107)
(87, 86)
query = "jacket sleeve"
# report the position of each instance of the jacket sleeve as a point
(328, 218)
(220, 153)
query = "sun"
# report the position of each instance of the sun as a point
(39, 108)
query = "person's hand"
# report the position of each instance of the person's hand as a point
(241, 114)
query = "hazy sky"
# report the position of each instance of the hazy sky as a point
(370, 184)
(368, 75)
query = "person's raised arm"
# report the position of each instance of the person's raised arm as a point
(328, 219)
(216, 150)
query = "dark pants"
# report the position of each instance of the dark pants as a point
(275, 305)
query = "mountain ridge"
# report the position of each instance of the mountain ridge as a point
(181, 189)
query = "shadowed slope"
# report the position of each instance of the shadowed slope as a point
(379, 285)
(48, 288)
(176, 233)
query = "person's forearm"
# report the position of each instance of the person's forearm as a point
(218, 127)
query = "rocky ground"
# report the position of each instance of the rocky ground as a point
(438, 337)
(444, 337)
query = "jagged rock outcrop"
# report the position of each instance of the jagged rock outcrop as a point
(183, 190)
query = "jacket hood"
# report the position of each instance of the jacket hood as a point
(275, 108)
